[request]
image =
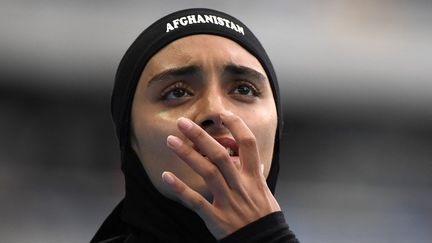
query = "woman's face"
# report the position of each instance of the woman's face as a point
(199, 77)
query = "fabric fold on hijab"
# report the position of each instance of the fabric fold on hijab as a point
(145, 214)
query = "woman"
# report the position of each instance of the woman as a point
(197, 112)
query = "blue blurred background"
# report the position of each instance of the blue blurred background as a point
(356, 80)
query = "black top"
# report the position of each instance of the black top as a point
(269, 229)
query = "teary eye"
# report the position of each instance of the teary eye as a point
(176, 91)
(245, 89)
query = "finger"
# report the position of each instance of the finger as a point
(248, 149)
(207, 170)
(190, 198)
(212, 149)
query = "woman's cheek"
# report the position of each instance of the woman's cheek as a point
(264, 130)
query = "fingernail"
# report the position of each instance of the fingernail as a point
(227, 113)
(262, 169)
(173, 141)
(184, 123)
(167, 178)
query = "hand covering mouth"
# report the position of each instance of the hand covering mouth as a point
(228, 143)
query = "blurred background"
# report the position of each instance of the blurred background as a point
(356, 80)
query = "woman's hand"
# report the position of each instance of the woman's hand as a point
(240, 193)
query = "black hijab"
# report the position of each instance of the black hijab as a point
(145, 215)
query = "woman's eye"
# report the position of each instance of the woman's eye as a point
(176, 93)
(244, 89)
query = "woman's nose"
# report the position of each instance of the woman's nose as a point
(210, 108)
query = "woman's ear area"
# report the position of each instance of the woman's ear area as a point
(133, 140)
(133, 137)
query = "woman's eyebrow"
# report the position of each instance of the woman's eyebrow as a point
(175, 72)
(239, 70)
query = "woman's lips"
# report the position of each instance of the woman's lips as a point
(227, 142)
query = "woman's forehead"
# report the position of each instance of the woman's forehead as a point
(201, 50)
